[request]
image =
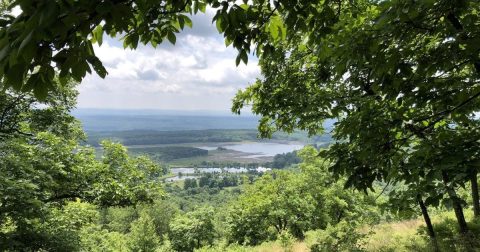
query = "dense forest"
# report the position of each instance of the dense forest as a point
(165, 154)
(400, 79)
(152, 137)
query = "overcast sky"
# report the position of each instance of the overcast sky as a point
(198, 73)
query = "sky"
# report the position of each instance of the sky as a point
(198, 73)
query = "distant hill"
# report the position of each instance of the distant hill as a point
(125, 120)
(147, 127)
(102, 120)
(150, 137)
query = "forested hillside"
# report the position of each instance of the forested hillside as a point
(399, 79)
(152, 137)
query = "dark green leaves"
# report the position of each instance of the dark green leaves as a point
(104, 7)
(171, 37)
(60, 34)
(243, 56)
(402, 87)
(97, 66)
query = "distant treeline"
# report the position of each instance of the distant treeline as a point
(213, 181)
(228, 164)
(150, 137)
(284, 160)
(169, 153)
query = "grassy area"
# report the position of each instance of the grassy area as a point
(273, 246)
(409, 236)
(403, 236)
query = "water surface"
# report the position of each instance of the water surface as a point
(264, 149)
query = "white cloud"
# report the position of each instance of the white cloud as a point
(199, 72)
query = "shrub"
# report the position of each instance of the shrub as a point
(143, 236)
(286, 240)
(193, 230)
(340, 237)
(96, 239)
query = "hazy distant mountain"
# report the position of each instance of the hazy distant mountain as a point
(164, 120)
(120, 120)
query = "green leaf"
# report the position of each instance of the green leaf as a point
(15, 76)
(237, 60)
(195, 7)
(218, 24)
(188, 21)
(97, 66)
(25, 42)
(104, 7)
(244, 56)
(98, 34)
(181, 22)
(228, 42)
(31, 82)
(202, 7)
(4, 52)
(40, 89)
(276, 28)
(171, 37)
(244, 6)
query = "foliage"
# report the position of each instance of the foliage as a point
(192, 230)
(169, 153)
(162, 212)
(57, 230)
(383, 66)
(396, 236)
(286, 240)
(212, 180)
(35, 34)
(118, 219)
(448, 235)
(188, 200)
(96, 239)
(153, 137)
(271, 205)
(411, 235)
(70, 28)
(285, 160)
(341, 237)
(401, 79)
(127, 180)
(43, 168)
(41, 176)
(405, 107)
(295, 202)
(143, 236)
(189, 183)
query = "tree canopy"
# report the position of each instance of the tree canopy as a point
(43, 167)
(401, 78)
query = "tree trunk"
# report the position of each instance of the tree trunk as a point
(428, 222)
(426, 217)
(457, 207)
(475, 197)
(457, 204)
